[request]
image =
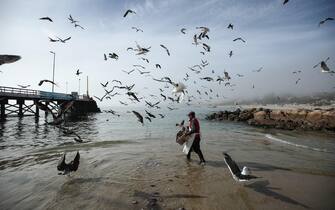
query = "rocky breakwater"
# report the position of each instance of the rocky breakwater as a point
(290, 119)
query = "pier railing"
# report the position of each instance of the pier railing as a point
(11, 91)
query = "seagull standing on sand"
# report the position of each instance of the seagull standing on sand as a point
(238, 175)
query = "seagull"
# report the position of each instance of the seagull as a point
(164, 97)
(78, 72)
(139, 66)
(167, 50)
(63, 40)
(239, 38)
(296, 82)
(148, 118)
(149, 114)
(128, 11)
(230, 26)
(324, 67)
(104, 85)
(183, 30)
(181, 124)
(68, 167)
(285, 1)
(206, 47)
(240, 75)
(77, 25)
(5, 59)
(128, 72)
(195, 39)
(72, 20)
(258, 70)
(226, 75)
(46, 18)
(45, 80)
(323, 21)
(137, 29)
(208, 79)
(145, 59)
(123, 103)
(143, 72)
(158, 66)
(132, 94)
(23, 86)
(105, 57)
(161, 115)
(72, 132)
(118, 81)
(235, 170)
(113, 56)
(230, 53)
(100, 99)
(53, 40)
(139, 117)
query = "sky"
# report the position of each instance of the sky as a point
(280, 38)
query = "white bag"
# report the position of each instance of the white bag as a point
(188, 144)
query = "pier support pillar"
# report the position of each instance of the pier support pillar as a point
(46, 112)
(20, 102)
(37, 110)
(3, 111)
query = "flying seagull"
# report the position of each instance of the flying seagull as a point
(128, 72)
(53, 40)
(158, 66)
(128, 11)
(285, 1)
(9, 59)
(68, 167)
(230, 26)
(235, 171)
(183, 30)
(230, 54)
(323, 21)
(23, 86)
(46, 18)
(137, 29)
(132, 94)
(258, 70)
(167, 50)
(149, 114)
(77, 25)
(239, 38)
(63, 40)
(139, 116)
(296, 82)
(72, 20)
(78, 72)
(45, 80)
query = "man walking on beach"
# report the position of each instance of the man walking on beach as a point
(194, 127)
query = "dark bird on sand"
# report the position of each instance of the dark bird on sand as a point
(139, 116)
(45, 80)
(68, 167)
(78, 72)
(9, 59)
(46, 18)
(128, 11)
(239, 38)
(325, 20)
(230, 26)
(167, 50)
(235, 171)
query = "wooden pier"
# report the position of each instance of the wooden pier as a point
(26, 102)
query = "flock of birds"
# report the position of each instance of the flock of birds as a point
(153, 101)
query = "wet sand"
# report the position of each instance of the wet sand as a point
(165, 180)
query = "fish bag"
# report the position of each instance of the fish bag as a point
(188, 143)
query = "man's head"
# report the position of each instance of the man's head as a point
(191, 115)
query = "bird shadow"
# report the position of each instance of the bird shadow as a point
(264, 188)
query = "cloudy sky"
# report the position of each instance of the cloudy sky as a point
(280, 38)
